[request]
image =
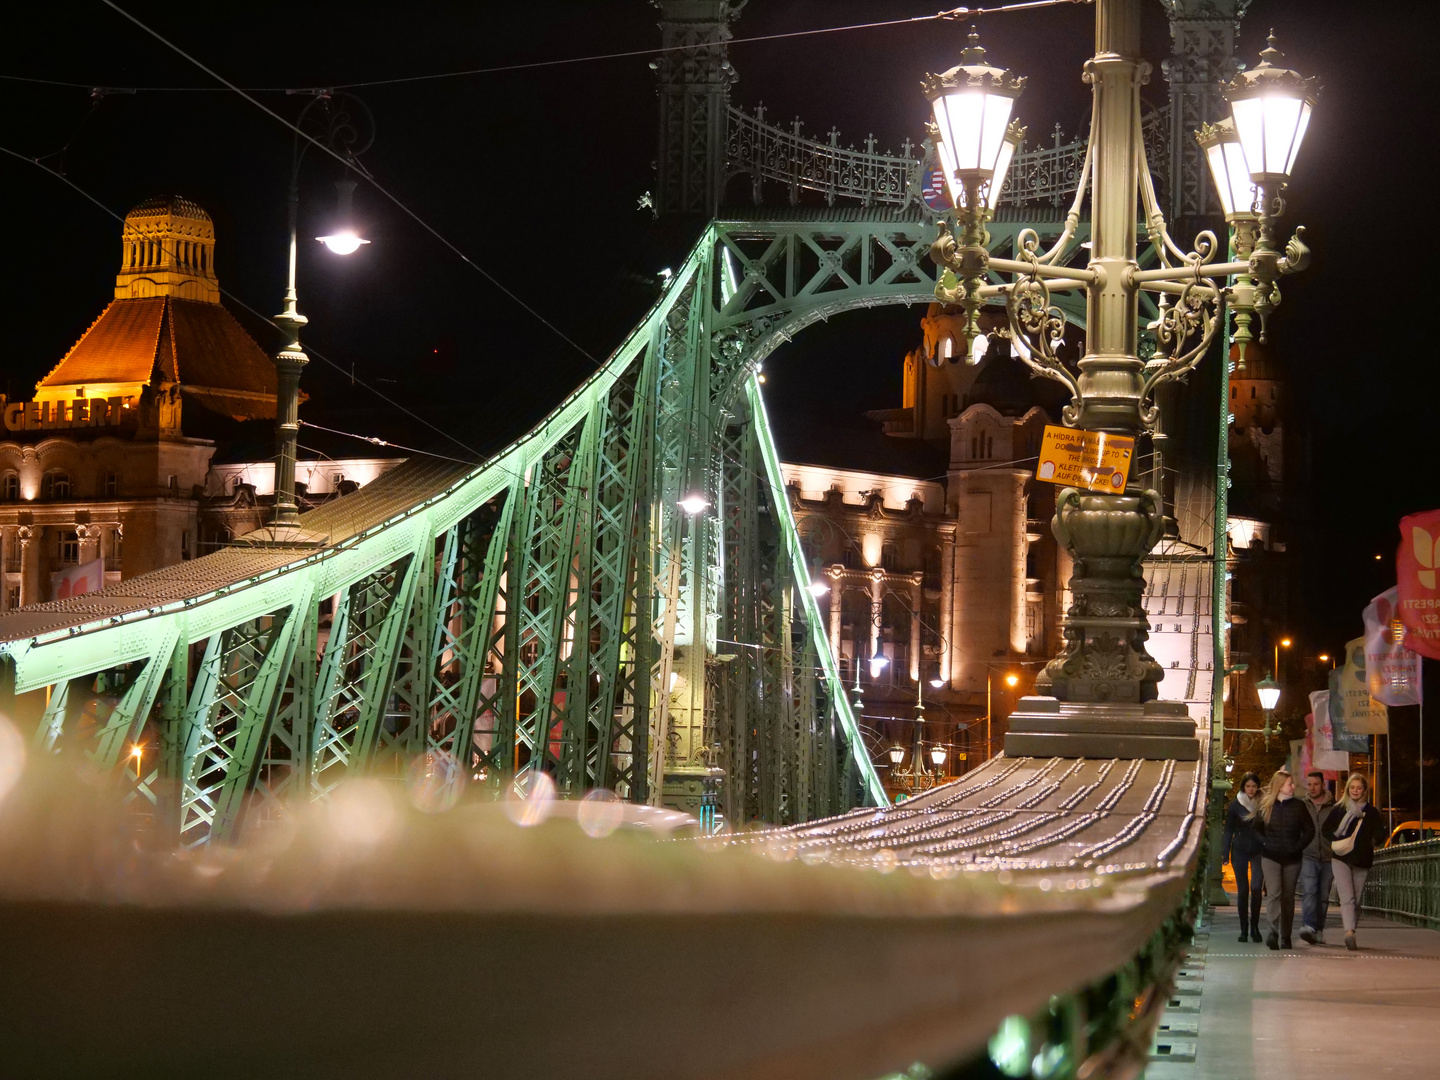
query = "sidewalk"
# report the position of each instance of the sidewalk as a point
(1315, 1011)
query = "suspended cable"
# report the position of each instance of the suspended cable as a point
(348, 163)
(952, 13)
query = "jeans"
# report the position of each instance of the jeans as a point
(1349, 883)
(1315, 876)
(1280, 880)
(1249, 881)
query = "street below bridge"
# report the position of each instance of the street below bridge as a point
(1244, 1011)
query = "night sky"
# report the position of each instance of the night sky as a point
(536, 174)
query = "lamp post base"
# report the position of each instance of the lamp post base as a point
(1156, 730)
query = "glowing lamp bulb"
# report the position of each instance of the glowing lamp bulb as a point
(877, 665)
(1268, 691)
(937, 682)
(136, 751)
(817, 588)
(1012, 680)
(342, 243)
(897, 755)
(937, 755)
(694, 504)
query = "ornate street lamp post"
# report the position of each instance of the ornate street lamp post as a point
(339, 134)
(1099, 697)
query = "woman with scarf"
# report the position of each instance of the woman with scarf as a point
(1352, 827)
(1285, 829)
(1240, 847)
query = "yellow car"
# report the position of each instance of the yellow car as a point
(1409, 832)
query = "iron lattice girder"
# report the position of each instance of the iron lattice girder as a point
(588, 565)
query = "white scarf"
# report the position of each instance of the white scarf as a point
(1247, 802)
(1356, 811)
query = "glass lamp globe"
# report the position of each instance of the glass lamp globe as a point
(897, 755)
(1271, 106)
(1269, 692)
(972, 103)
(1227, 168)
(937, 755)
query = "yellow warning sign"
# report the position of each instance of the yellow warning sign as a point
(1088, 459)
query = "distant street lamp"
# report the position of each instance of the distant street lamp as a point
(340, 135)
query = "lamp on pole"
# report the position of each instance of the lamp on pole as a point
(1101, 692)
(346, 130)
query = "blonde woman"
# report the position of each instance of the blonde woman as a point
(1285, 830)
(1355, 820)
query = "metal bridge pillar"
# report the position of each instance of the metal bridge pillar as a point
(694, 88)
(1202, 59)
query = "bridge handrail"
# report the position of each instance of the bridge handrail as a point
(1404, 883)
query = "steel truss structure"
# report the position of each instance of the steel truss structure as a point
(551, 609)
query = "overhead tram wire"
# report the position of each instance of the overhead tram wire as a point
(242, 304)
(950, 14)
(351, 165)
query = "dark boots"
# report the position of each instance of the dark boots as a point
(1255, 917)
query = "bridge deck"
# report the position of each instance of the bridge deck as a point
(1311, 1011)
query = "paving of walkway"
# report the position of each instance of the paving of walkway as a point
(1310, 1012)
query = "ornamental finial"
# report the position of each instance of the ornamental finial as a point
(973, 53)
(1270, 56)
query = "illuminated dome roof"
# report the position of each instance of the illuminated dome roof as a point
(171, 206)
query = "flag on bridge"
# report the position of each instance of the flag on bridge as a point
(75, 580)
(1392, 671)
(1417, 568)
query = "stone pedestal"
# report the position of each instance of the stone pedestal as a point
(1046, 727)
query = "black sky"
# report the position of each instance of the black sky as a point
(536, 176)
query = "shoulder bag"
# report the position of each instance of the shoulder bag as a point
(1345, 845)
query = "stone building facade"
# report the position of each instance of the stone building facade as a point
(109, 459)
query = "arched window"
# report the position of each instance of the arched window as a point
(1252, 393)
(1234, 391)
(55, 484)
(10, 487)
(947, 348)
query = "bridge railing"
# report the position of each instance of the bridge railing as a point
(1045, 174)
(1404, 884)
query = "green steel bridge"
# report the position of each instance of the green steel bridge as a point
(555, 611)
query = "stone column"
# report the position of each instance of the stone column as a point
(949, 657)
(29, 538)
(877, 608)
(89, 536)
(917, 601)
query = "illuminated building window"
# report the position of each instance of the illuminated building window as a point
(67, 546)
(10, 487)
(55, 485)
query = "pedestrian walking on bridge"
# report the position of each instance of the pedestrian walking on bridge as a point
(1285, 832)
(1315, 873)
(1352, 827)
(1240, 847)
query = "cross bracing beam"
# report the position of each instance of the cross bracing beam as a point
(549, 608)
